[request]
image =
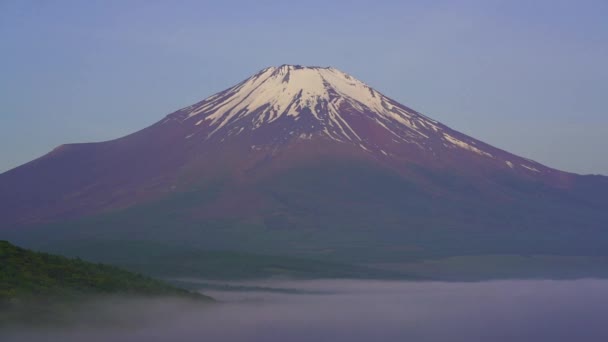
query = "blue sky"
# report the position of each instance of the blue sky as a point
(530, 77)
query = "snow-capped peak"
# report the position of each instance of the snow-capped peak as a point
(292, 102)
(290, 91)
(286, 90)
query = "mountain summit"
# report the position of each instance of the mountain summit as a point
(305, 160)
(305, 101)
(288, 103)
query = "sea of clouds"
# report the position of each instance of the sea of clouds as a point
(349, 310)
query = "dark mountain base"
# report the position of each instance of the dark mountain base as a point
(172, 261)
(344, 214)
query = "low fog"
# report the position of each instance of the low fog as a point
(350, 310)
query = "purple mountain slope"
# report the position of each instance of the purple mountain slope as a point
(302, 149)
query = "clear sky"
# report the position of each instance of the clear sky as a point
(530, 77)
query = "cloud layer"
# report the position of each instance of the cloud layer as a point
(352, 311)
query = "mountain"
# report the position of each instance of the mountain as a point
(306, 161)
(40, 288)
(28, 274)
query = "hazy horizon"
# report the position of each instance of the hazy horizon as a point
(529, 78)
(351, 310)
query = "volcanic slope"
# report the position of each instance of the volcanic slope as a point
(306, 161)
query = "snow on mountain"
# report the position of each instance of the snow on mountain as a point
(290, 92)
(299, 102)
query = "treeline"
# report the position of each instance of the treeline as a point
(24, 273)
